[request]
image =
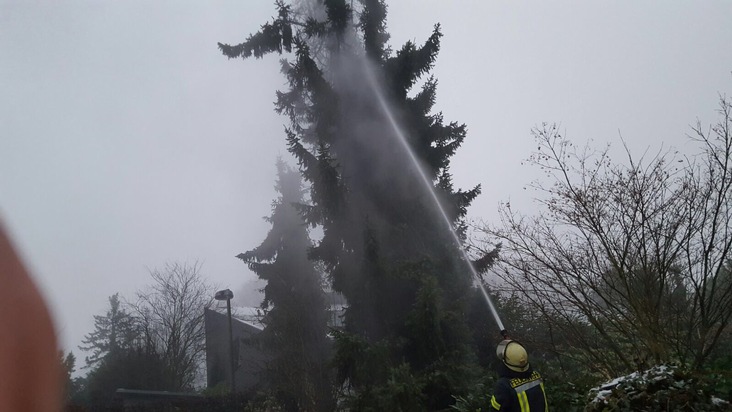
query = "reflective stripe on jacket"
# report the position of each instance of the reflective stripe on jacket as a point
(519, 392)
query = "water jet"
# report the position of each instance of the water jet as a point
(401, 137)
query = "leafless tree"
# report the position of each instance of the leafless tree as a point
(630, 260)
(170, 313)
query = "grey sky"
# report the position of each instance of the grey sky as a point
(127, 139)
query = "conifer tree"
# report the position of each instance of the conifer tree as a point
(295, 332)
(384, 246)
(113, 332)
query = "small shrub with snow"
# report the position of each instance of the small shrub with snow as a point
(661, 388)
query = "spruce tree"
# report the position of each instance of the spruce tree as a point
(384, 245)
(114, 332)
(295, 333)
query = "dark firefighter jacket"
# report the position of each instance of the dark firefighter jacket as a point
(519, 391)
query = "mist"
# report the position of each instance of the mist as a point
(130, 141)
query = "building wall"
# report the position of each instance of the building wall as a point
(249, 359)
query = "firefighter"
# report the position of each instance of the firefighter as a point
(519, 387)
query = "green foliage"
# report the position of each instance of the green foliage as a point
(73, 387)
(662, 388)
(68, 366)
(401, 391)
(160, 347)
(404, 390)
(564, 395)
(295, 333)
(273, 37)
(478, 399)
(114, 331)
(220, 390)
(68, 363)
(263, 404)
(384, 246)
(128, 369)
(358, 362)
(719, 372)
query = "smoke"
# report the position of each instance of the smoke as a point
(250, 293)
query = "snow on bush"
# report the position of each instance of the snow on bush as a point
(661, 388)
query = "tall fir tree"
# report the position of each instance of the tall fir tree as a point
(384, 245)
(115, 331)
(296, 331)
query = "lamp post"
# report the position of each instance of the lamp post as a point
(227, 295)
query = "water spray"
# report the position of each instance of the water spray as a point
(428, 184)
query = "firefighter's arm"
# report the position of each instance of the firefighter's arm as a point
(501, 399)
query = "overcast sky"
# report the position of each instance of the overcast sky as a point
(127, 140)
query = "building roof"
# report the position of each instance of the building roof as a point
(247, 315)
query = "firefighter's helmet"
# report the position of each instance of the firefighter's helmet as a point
(513, 355)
